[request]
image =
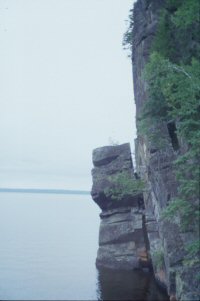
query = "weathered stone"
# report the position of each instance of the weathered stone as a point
(152, 226)
(121, 235)
(117, 232)
(117, 217)
(118, 256)
(187, 278)
(106, 154)
(154, 162)
(137, 220)
(124, 244)
(121, 240)
(115, 212)
(104, 168)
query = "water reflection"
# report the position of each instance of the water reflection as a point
(128, 285)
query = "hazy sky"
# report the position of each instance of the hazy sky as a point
(66, 88)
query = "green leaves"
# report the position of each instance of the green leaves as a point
(128, 35)
(175, 95)
(187, 14)
(194, 247)
(173, 77)
(193, 252)
(181, 208)
(177, 36)
(158, 259)
(124, 185)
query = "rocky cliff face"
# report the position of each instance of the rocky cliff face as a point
(132, 232)
(122, 235)
(155, 164)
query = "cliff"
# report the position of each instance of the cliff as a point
(155, 159)
(122, 235)
(159, 224)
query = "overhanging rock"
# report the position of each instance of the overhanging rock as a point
(122, 242)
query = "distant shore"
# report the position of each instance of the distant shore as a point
(38, 190)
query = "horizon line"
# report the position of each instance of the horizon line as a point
(44, 190)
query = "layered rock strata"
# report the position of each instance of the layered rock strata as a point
(122, 242)
(155, 164)
(128, 234)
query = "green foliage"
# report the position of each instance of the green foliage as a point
(197, 277)
(155, 71)
(128, 35)
(152, 130)
(193, 253)
(174, 94)
(187, 13)
(173, 77)
(158, 259)
(124, 185)
(164, 41)
(194, 247)
(177, 35)
(186, 211)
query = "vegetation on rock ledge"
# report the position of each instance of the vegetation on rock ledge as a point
(173, 77)
(174, 96)
(123, 185)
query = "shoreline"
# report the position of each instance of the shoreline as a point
(40, 190)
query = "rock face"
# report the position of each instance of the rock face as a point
(122, 235)
(129, 234)
(154, 164)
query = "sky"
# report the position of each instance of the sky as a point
(66, 89)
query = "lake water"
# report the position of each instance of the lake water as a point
(48, 246)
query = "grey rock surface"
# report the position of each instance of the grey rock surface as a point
(106, 154)
(121, 235)
(121, 241)
(117, 256)
(109, 161)
(154, 163)
(129, 235)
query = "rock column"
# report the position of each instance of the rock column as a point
(122, 235)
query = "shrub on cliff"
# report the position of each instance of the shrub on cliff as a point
(177, 36)
(173, 77)
(128, 35)
(174, 95)
(158, 259)
(123, 185)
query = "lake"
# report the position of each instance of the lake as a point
(48, 250)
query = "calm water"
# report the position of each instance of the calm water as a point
(48, 246)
